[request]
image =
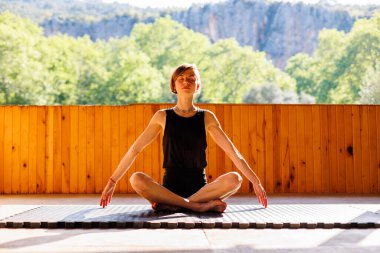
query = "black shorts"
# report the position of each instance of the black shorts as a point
(184, 184)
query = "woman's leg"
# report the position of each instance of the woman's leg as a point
(221, 188)
(149, 189)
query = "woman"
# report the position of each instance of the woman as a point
(184, 145)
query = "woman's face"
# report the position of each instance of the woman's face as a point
(187, 82)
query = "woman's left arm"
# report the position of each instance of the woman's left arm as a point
(219, 136)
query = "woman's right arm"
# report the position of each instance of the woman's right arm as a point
(154, 127)
(147, 136)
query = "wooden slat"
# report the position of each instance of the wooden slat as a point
(131, 136)
(2, 179)
(357, 149)
(139, 129)
(236, 138)
(260, 123)
(277, 149)
(269, 183)
(156, 165)
(16, 111)
(341, 148)
(74, 148)
(211, 148)
(123, 144)
(246, 145)
(365, 149)
(90, 167)
(309, 148)
(373, 149)
(8, 129)
(57, 149)
(220, 161)
(325, 151)
(284, 148)
(82, 161)
(229, 132)
(98, 138)
(301, 154)
(252, 135)
(317, 149)
(333, 149)
(115, 140)
(65, 122)
(32, 158)
(347, 150)
(24, 149)
(41, 182)
(106, 149)
(147, 161)
(378, 148)
(293, 163)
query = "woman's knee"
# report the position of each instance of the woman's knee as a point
(138, 180)
(232, 180)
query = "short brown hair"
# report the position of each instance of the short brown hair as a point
(179, 70)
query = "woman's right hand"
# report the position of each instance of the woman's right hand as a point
(107, 193)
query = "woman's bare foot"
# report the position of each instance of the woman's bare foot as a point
(211, 206)
(165, 208)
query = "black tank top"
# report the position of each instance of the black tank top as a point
(184, 143)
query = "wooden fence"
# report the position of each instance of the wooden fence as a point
(292, 148)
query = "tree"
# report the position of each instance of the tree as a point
(370, 90)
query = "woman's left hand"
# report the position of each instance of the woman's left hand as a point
(261, 194)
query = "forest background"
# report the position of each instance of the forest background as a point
(57, 68)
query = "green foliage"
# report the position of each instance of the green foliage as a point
(337, 70)
(63, 70)
(370, 91)
(271, 93)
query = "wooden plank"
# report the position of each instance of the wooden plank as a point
(325, 151)
(98, 152)
(228, 126)
(131, 137)
(156, 166)
(260, 136)
(277, 149)
(236, 138)
(57, 149)
(8, 129)
(123, 144)
(341, 148)
(365, 149)
(115, 140)
(106, 150)
(357, 150)
(333, 148)
(346, 176)
(139, 130)
(301, 154)
(252, 136)
(16, 114)
(317, 149)
(378, 146)
(269, 183)
(24, 149)
(293, 162)
(32, 149)
(284, 148)
(309, 148)
(74, 148)
(147, 161)
(211, 159)
(373, 149)
(246, 142)
(90, 155)
(65, 123)
(220, 163)
(41, 180)
(82, 161)
(2, 123)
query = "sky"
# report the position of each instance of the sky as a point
(188, 3)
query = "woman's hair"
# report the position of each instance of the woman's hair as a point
(179, 70)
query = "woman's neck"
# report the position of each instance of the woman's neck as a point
(185, 103)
